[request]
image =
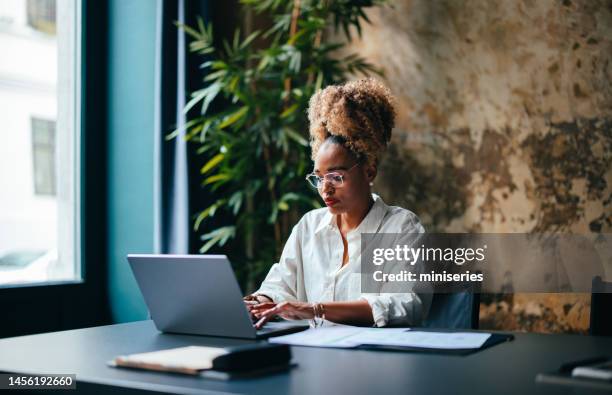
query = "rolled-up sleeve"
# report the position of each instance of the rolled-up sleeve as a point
(402, 308)
(405, 309)
(281, 282)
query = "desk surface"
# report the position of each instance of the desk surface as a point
(508, 368)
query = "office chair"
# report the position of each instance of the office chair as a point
(601, 306)
(454, 311)
(458, 310)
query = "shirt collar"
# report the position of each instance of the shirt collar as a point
(370, 224)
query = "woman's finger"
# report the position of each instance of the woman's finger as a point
(266, 315)
(263, 318)
(249, 305)
(262, 321)
(265, 305)
(261, 308)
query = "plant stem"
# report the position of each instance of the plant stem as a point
(317, 43)
(277, 229)
(250, 242)
(295, 14)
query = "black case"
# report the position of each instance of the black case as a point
(253, 356)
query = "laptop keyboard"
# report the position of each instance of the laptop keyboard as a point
(264, 330)
(280, 326)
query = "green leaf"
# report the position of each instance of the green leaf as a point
(236, 202)
(236, 41)
(196, 97)
(218, 65)
(295, 37)
(189, 30)
(216, 75)
(290, 196)
(319, 82)
(289, 110)
(202, 25)
(194, 131)
(214, 161)
(176, 132)
(216, 178)
(207, 94)
(217, 236)
(247, 41)
(263, 62)
(233, 84)
(234, 117)
(296, 136)
(208, 212)
(296, 62)
(273, 215)
(205, 129)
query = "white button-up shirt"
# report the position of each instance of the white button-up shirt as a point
(310, 268)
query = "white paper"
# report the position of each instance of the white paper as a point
(343, 336)
(333, 336)
(438, 340)
(350, 336)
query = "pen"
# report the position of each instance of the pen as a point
(566, 367)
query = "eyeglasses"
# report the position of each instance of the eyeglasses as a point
(336, 179)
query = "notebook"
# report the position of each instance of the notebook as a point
(194, 360)
(188, 360)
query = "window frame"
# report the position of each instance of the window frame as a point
(60, 305)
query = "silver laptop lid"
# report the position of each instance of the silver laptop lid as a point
(192, 294)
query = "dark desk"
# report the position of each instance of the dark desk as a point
(509, 368)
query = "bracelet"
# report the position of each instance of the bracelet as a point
(319, 315)
(313, 321)
(321, 312)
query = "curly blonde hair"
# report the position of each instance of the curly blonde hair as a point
(361, 113)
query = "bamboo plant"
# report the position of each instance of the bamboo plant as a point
(252, 124)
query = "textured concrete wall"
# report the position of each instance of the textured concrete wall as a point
(505, 125)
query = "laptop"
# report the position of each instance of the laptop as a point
(199, 295)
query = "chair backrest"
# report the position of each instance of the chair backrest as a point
(601, 305)
(454, 311)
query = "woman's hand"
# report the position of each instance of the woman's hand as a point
(253, 300)
(257, 298)
(287, 310)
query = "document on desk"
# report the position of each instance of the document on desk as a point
(342, 336)
(426, 339)
(349, 336)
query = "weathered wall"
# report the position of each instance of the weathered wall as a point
(505, 125)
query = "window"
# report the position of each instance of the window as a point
(43, 153)
(39, 130)
(41, 15)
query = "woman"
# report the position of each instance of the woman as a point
(318, 276)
